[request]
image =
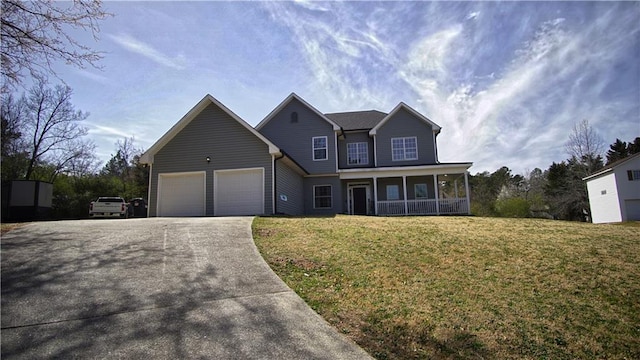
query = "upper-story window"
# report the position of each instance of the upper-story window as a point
(633, 175)
(357, 153)
(404, 148)
(320, 148)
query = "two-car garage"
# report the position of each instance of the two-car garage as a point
(211, 163)
(235, 192)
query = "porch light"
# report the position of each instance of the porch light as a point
(208, 159)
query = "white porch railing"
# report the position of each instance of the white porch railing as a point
(454, 206)
(423, 207)
(391, 207)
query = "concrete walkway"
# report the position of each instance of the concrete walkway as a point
(153, 288)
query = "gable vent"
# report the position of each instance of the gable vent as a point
(294, 117)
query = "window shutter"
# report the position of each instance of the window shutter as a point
(630, 175)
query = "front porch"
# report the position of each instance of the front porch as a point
(426, 190)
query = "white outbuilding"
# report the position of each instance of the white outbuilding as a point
(614, 191)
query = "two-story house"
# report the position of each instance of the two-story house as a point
(299, 161)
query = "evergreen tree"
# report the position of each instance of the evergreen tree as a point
(617, 151)
(634, 147)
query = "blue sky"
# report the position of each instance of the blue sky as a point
(506, 81)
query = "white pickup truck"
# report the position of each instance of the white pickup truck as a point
(109, 207)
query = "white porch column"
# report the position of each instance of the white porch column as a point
(466, 189)
(404, 187)
(455, 185)
(375, 195)
(435, 189)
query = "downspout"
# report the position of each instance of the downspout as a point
(375, 152)
(336, 146)
(435, 145)
(149, 192)
(275, 180)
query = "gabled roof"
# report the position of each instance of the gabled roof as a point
(436, 127)
(147, 157)
(285, 102)
(612, 166)
(357, 120)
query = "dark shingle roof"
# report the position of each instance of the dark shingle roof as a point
(357, 120)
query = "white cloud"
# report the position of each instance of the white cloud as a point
(108, 131)
(340, 54)
(311, 5)
(146, 50)
(473, 15)
(521, 117)
(429, 55)
(93, 76)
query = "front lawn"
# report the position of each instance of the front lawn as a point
(465, 287)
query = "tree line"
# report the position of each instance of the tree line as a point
(555, 193)
(43, 138)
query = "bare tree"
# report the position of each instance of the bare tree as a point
(11, 114)
(586, 146)
(14, 157)
(584, 141)
(34, 37)
(124, 164)
(52, 131)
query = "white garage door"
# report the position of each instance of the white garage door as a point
(633, 209)
(181, 194)
(238, 192)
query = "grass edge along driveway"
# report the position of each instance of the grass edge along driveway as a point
(465, 287)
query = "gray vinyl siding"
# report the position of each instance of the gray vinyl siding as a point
(355, 137)
(404, 124)
(338, 203)
(290, 184)
(230, 145)
(296, 138)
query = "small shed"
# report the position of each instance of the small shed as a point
(26, 200)
(614, 192)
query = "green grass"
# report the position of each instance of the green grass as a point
(465, 287)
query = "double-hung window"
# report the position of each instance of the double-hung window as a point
(420, 191)
(320, 148)
(404, 148)
(393, 192)
(322, 196)
(633, 175)
(357, 153)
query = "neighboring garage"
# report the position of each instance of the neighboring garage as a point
(182, 194)
(238, 192)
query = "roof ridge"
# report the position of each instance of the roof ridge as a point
(355, 111)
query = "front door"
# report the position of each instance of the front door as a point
(359, 201)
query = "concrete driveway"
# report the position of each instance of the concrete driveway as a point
(153, 288)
